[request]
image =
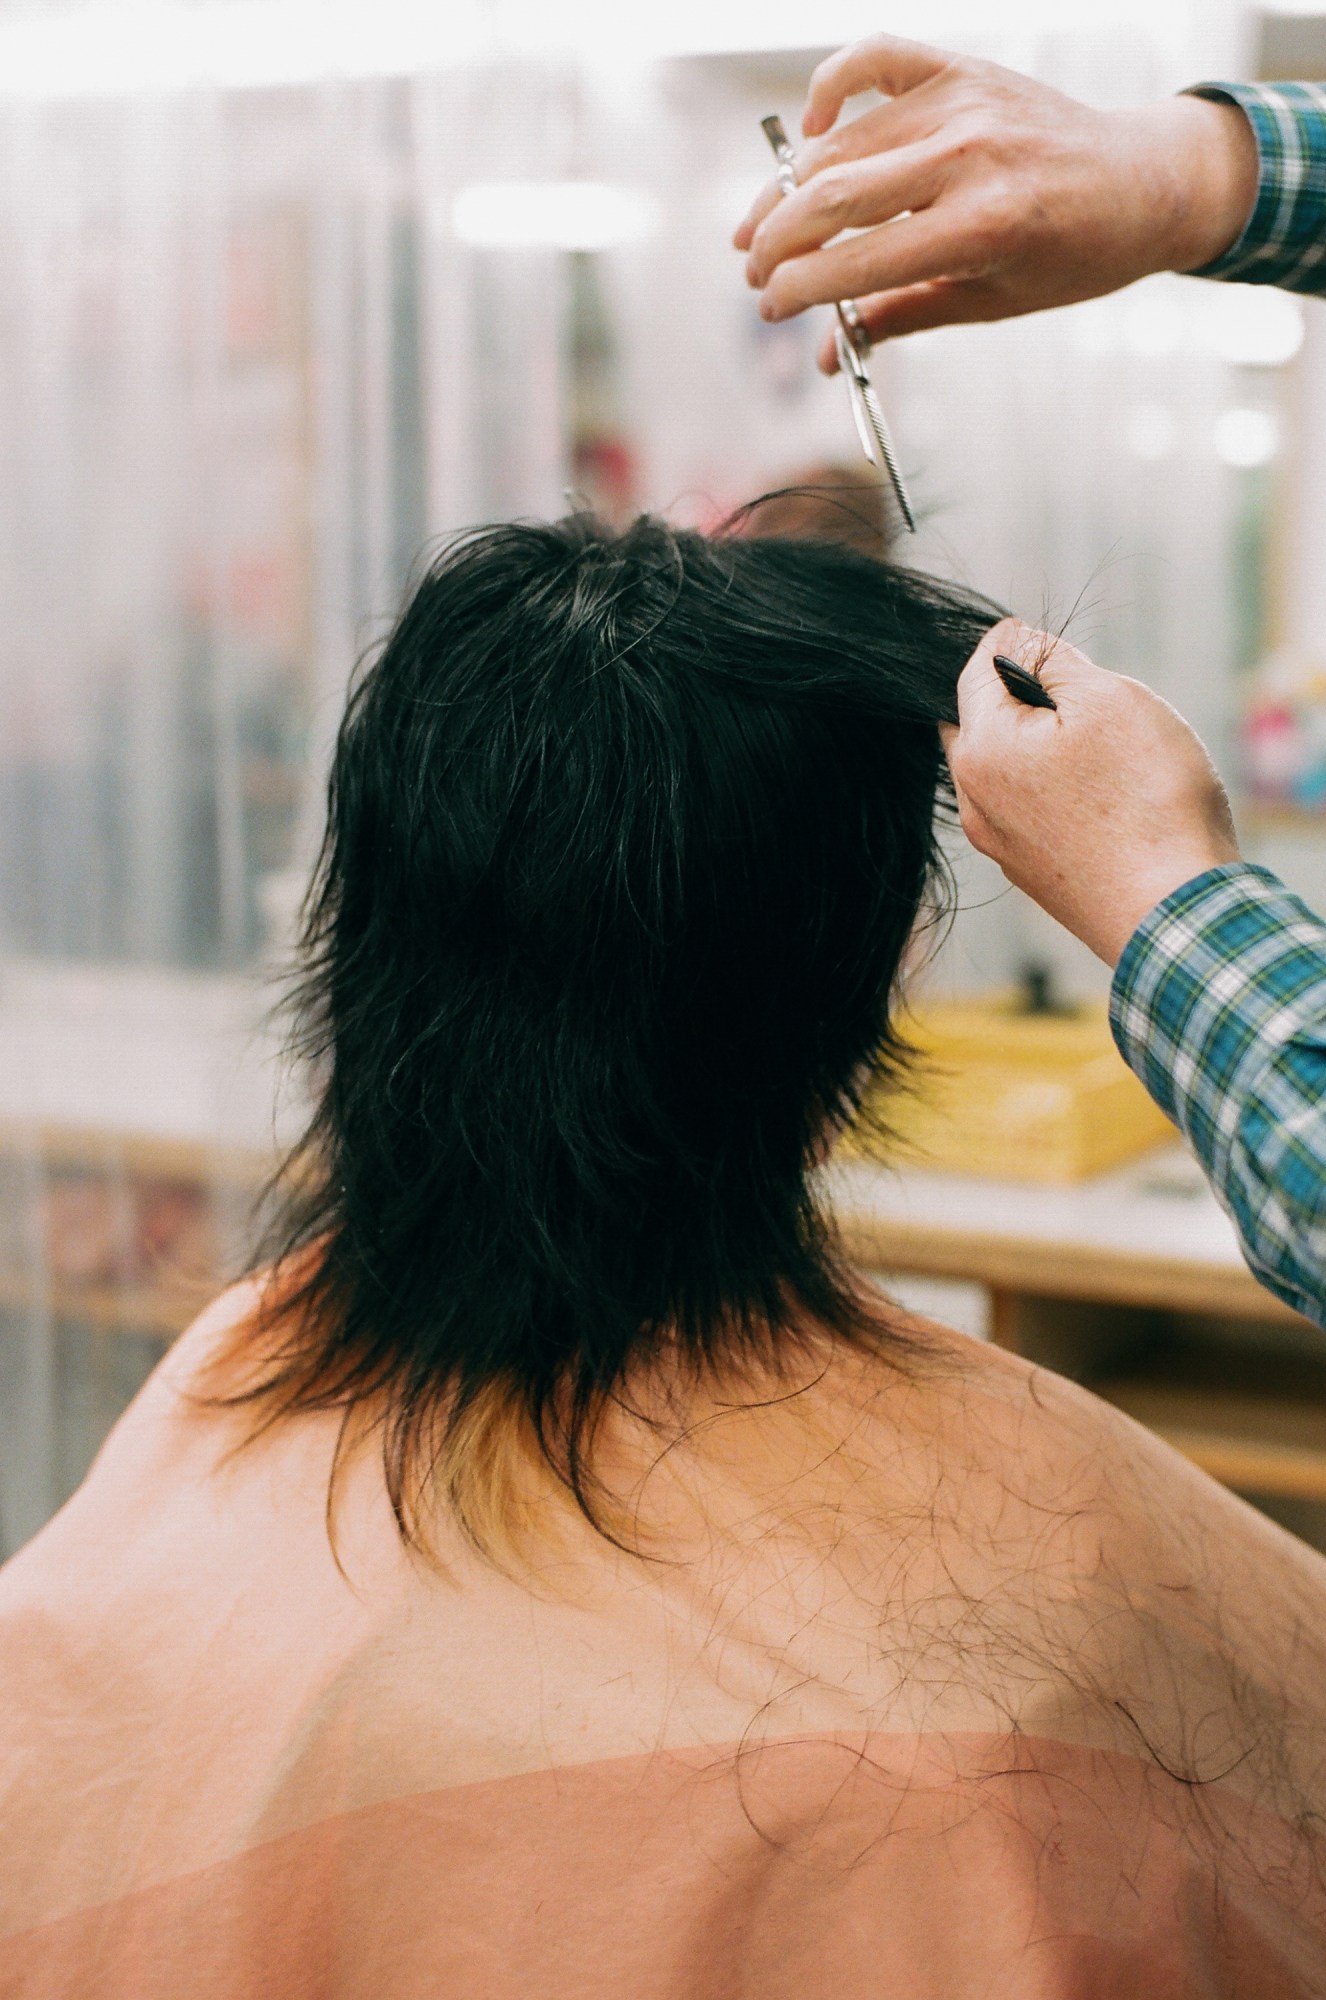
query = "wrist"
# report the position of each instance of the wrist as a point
(1119, 919)
(1215, 159)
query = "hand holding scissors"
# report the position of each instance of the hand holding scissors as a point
(853, 343)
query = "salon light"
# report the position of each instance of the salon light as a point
(121, 47)
(1246, 438)
(553, 215)
(1253, 326)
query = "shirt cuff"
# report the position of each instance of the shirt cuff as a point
(1214, 981)
(1280, 244)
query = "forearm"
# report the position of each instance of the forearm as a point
(1219, 1006)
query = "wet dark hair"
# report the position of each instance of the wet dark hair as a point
(628, 834)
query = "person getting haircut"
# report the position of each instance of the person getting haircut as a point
(553, 1570)
(628, 837)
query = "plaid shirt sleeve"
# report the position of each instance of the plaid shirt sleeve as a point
(1284, 241)
(1219, 1006)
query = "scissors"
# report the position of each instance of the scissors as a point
(853, 345)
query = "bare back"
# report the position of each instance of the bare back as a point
(947, 1682)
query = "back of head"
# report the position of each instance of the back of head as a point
(627, 837)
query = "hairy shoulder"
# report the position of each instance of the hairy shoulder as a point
(1186, 1621)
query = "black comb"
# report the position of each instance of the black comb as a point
(1021, 684)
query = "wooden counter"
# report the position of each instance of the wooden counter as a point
(1132, 1282)
(1151, 1234)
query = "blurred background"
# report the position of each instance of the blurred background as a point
(288, 291)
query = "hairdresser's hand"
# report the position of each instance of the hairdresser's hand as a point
(1097, 809)
(982, 194)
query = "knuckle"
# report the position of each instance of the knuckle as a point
(974, 826)
(974, 81)
(1003, 205)
(973, 133)
(831, 190)
(1007, 633)
(964, 762)
(993, 224)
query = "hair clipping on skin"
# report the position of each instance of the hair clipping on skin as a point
(1022, 684)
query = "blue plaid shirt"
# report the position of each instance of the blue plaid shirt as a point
(1284, 242)
(1219, 1005)
(1219, 1000)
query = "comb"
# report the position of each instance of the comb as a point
(1022, 684)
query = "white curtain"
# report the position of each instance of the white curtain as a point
(244, 375)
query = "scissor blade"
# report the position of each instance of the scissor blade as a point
(852, 373)
(866, 399)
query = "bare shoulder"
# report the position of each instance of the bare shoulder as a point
(1201, 1622)
(187, 1388)
(208, 1336)
(1058, 1440)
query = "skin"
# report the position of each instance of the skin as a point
(1100, 808)
(980, 194)
(974, 193)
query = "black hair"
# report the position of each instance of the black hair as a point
(628, 834)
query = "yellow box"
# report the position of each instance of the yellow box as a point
(998, 1091)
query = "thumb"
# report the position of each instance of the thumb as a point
(982, 696)
(1077, 684)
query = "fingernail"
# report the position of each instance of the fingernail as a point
(768, 308)
(752, 273)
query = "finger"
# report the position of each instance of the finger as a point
(854, 195)
(912, 250)
(918, 308)
(940, 302)
(981, 693)
(1065, 673)
(769, 197)
(878, 130)
(979, 830)
(882, 62)
(882, 129)
(915, 309)
(827, 357)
